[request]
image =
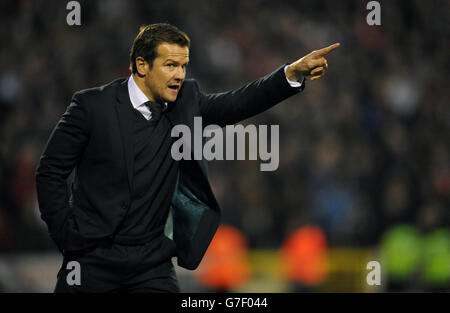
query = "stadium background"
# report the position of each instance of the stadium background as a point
(364, 168)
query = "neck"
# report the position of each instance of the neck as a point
(141, 84)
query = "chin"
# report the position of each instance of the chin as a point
(170, 99)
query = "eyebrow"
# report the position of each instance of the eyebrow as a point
(171, 60)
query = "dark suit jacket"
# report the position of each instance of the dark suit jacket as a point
(94, 137)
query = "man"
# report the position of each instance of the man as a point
(133, 207)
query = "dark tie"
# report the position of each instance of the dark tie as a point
(155, 108)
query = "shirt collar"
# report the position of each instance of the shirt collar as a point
(137, 97)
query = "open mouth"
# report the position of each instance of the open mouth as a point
(174, 87)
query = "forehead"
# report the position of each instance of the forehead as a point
(173, 51)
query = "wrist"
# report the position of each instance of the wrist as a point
(290, 73)
(294, 74)
(294, 82)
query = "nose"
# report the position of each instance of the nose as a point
(180, 74)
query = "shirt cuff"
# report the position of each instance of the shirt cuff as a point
(293, 84)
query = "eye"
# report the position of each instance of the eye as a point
(170, 65)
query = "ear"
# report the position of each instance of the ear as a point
(141, 66)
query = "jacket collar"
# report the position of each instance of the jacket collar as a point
(124, 111)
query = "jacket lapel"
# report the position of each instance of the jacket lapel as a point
(125, 116)
(176, 113)
(172, 113)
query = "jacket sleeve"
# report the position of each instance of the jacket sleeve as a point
(60, 156)
(234, 106)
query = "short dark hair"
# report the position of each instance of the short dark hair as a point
(149, 38)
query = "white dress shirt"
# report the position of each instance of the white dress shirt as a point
(293, 84)
(138, 98)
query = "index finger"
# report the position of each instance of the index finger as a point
(325, 51)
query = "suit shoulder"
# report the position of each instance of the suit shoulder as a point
(191, 82)
(95, 94)
(191, 85)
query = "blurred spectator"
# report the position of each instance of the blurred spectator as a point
(304, 258)
(225, 265)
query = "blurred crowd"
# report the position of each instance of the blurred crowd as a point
(365, 148)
